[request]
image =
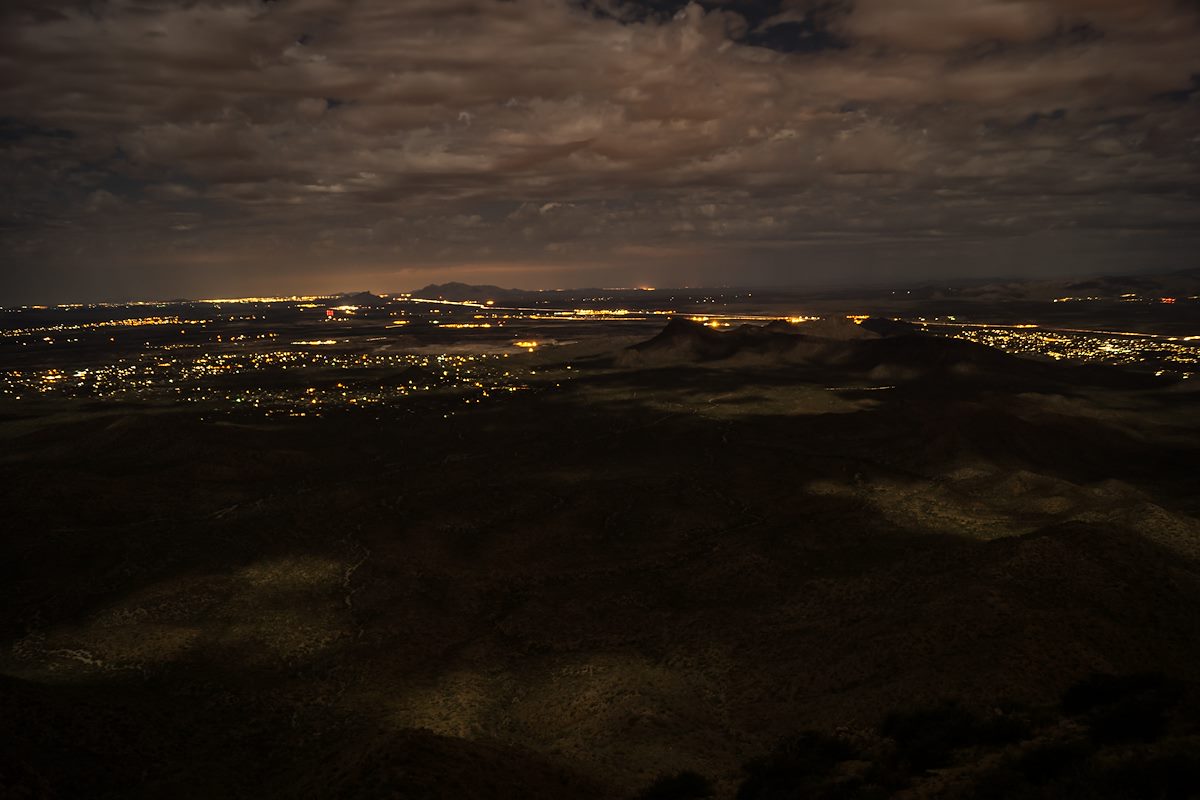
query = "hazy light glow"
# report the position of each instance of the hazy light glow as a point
(324, 146)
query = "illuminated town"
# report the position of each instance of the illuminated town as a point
(265, 382)
(1177, 353)
(305, 356)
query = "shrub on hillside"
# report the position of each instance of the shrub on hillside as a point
(927, 738)
(808, 767)
(686, 785)
(1123, 708)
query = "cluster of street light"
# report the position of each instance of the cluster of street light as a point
(277, 381)
(307, 355)
(1176, 353)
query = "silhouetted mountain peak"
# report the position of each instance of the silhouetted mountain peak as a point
(361, 299)
(464, 292)
(684, 329)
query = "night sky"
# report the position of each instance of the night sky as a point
(163, 148)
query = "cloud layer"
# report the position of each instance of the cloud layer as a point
(185, 147)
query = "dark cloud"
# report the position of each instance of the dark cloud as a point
(318, 144)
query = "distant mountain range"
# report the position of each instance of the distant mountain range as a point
(1183, 283)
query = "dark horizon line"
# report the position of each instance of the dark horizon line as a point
(777, 287)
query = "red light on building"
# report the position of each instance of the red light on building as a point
(329, 312)
(1167, 300)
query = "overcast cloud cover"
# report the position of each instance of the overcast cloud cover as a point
(199, 147)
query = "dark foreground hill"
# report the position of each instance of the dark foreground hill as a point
(877, 350)
(684, 566)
